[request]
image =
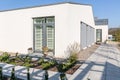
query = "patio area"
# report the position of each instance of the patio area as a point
(103, 64)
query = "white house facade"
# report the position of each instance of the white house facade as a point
(101, 29)
(55, 26)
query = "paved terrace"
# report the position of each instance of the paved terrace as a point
(103, 64)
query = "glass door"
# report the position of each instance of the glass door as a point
(38, 38)
(99, 35)
(50, 37)
(44, 33)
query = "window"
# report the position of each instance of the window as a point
(38, 37)
(99, 35)
(39, 21)
(50, 37)
(50, 20)
(44, 32)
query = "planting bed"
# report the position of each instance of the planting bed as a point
(69, 71)
(68, 66)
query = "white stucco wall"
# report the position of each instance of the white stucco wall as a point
(76, 15)
(104, 31)
(16, 26)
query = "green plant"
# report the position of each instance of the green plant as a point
(40, 61)
(70, 62)
(27, 64)
(48, 64)
(63, 76)
(45, 65)
(13, 62)
(52, 63)
(73, 58)
(46, 75)
(67, 65)
(28, 74)
(27, 59)
(1, 76)
(13, 74)
(5, 57)
(59, 67)
(62, 68)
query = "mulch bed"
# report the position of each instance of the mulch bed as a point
(82, 57)
(38, 67)
(73, 69)
(69, 71)
(53, 69)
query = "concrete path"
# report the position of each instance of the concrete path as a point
(103, 64)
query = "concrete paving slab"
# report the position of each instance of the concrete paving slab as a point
(103, 64)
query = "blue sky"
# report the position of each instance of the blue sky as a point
(101, 8)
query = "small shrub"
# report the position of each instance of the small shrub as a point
(60, 67)
(40, 61)
(52, 63)
(55, 62)
(73, 58)
(63, 76)
(48, 64)
(65, 66)
(45, 65)
(5, 57)
(27, 64)
(27, 59)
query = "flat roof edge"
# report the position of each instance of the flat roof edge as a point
(45, 5)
